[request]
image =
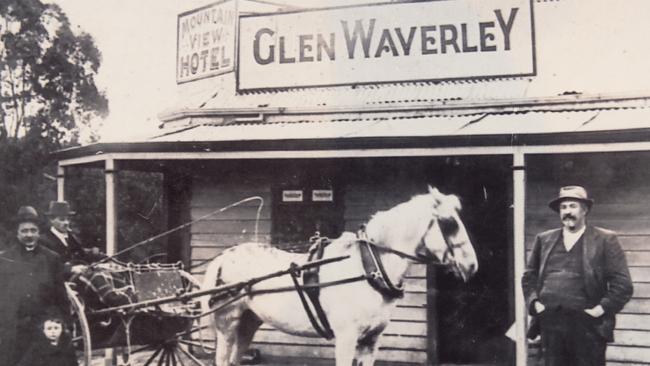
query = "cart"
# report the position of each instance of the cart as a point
(165, 321)
(162, 318)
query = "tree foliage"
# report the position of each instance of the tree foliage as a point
(47, 94)
(46, 74)
(140, 210)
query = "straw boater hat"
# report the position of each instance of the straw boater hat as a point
(27, 214)
(571, 193)
(59, 208)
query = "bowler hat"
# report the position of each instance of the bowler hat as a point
(27, 214)
(59, 208)
(577, 193)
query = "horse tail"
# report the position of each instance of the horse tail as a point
(211, 279)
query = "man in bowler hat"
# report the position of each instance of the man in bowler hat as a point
(60, 239)
(575, 282)
(31, 281)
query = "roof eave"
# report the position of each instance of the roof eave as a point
(569, 101)
(261, 146)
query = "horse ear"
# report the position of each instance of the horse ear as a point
(433, 190)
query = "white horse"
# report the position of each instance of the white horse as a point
(427, 224)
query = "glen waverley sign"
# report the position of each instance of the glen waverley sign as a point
(435, 40)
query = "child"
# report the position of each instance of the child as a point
(52, 346)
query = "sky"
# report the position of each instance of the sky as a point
(137, 39)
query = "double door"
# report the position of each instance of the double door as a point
(299, 211)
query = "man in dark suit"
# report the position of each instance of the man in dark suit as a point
(575, 282)
(60, 239)
(31, 281)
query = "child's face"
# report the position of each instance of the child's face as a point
(52, 330)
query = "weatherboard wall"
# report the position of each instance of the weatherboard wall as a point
(405, 339)
(618, 183)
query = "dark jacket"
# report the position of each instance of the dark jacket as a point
(606, 275)
(30, 282)
(72, 254)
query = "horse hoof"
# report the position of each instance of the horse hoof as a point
(251, 357)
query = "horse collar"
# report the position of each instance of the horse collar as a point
(376, 273)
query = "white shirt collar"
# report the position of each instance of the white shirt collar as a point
(61, 236)
(570, 239)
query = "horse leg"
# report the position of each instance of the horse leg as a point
(344, 350)
(248, 325)
(366, 349)
(227, 338)
(222, 345)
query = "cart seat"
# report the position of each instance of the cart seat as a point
(104, 287)
(157, 284)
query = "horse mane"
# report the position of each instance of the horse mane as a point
(401, 217)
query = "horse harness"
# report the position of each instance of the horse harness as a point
(310, 280)
(374, 273)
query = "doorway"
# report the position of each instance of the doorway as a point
(471, 318)
(305, 201)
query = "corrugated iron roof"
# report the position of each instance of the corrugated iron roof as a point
(355, 126)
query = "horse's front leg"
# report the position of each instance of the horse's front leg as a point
(226, 346)
(365, 351)
(345, 345)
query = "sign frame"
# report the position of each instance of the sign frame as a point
(287, 195)
(477, 76)
(327, 195)
(235, 43)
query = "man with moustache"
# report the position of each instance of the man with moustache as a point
(31, 281)
(60, 239)
(575, 282)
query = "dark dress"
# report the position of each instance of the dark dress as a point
(42, 353)
(30, 282)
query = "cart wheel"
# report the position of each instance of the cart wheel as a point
(80, 329)
(171, 353)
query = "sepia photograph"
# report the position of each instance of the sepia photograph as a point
(324, 182)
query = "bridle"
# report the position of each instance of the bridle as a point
(447, 259)
(447, 229)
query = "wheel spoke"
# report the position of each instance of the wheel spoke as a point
(191, 356)
(168, 355)
(153, 356)
(192, 330)
(172, 356)
(179, 358)
(162, 356)
(197, 344)
(142, 349)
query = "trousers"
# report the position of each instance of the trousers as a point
(569, 338)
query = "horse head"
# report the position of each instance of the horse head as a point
(446, 237)
(426, 228)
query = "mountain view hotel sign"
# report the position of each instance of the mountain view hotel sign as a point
(433, 40)
(206, 41)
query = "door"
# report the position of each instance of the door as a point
(301, 210)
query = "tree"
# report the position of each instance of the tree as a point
(46, 74)
(47, 93)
